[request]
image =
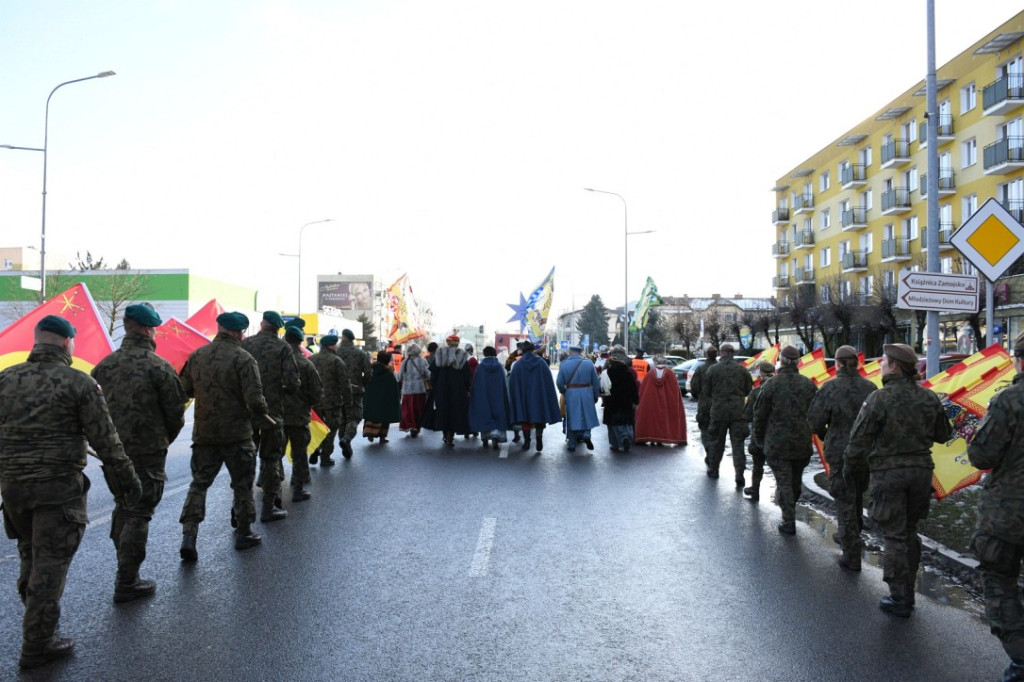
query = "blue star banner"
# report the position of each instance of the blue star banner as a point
(532, 312)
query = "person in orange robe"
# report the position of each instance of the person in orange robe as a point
(660, 417)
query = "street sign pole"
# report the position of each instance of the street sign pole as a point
(990, 311)
(932, 114)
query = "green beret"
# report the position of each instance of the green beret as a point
(293, 334)
(790, 353)
(766, 368)
(274, 318)
(144, 314)
(347, 333)
(297, 322)
(57, 325)
(329, 340)
(844, 352)
(235, 322)
(901, 352)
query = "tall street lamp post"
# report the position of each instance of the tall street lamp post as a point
(625, 269)
(302, 229)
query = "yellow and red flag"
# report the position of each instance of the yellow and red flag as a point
(404, 312)
(175, 341)
(770, 354)
(872, 371)
(814, 368)
(318, 430)
(92, 343)
(204, 320)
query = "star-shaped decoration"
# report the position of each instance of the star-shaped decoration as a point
(521, 311)
(68, 303)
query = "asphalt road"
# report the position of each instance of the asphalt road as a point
(417, 562)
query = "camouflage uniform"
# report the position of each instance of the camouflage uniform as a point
(337, 397)
(360, 373)
(280, 376)
(297, 416)
(147, 404)
(892, 437)
(755, 448)
(999, 537)
(780, 425)
(727, 385)
(225, 381)
(832, 413)
(48, 414)
(703, 399)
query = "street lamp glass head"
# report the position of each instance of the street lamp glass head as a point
(104, 74)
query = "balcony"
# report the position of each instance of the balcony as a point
(945, 232)
(1004, 156)
(780, 282)
(896, 201)
(944, 133)
(857, 298)
(855, 261)
(780, 249)
(1015, 207)
(895, 250)
(853, 176)
(947, 183)
(780, 216)
(854, 219)
(895, 153)
(803, 203)
(803, 276)
(805, 240)
(1003, 96)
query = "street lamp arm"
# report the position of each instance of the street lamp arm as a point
(27, 149)
(625, 269)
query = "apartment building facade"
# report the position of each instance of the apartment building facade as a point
(852, 216)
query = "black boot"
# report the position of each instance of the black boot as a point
(188, 550)
(896, 606)
(753, 493)
(268, 513)
(130, 586)
(245, 538)
(540, 443)
(33, 656)
(346, 450)
(526, 441)
(314, 456)
(299, 493)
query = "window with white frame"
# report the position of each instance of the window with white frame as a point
(809, 262)
(865, 156)
(841, 167)
(844, 248)
(968, 152)
(865, 200)
(910, 179)
(824, 182)
(826, 257)
(890, 280)
(888, 232)
(946, 265)
(968, 207)
(967, 268)
(908, 131)
(867, 283)
(844, 288)
(910, 227)
(826, 218)
(808, 188)
(968, 98)
(867, 242)
(808, 225)
(826, 293)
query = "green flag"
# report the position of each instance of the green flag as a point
(648, 297)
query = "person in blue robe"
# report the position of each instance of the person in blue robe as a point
(580, 387)
(489, 413)
(531, 393)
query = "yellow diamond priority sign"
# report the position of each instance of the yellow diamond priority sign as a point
(992, 239)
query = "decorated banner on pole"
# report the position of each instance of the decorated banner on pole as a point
(404, 312)
(532, 312)
(648, 298)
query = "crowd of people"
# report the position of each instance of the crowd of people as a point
(255, 397)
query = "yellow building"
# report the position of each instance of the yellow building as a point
(850, 217)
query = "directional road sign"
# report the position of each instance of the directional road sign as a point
(991, 239)
(933, 291)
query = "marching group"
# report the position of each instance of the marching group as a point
(254, 398)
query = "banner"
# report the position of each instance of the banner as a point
(92, 343)
(767, 355)
(648, 298)
(175, 341)
(532, 312)
(403, 312)
(204, 320)
(813, 367)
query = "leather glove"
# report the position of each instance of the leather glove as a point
(132, 488)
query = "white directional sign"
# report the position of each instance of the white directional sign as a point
(933, 291)
(991, 239)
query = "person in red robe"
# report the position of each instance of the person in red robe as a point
(660, 416)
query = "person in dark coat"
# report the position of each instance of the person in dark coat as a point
(489, 413)
(531, 393)
(382, 399)
(620, 404)
(448, 403)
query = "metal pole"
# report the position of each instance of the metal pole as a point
(625, 269)
(990, 313)
(46, 136)
(933, 190)
(298, 302)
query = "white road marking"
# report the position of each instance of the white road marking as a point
(482, 556)
(503, 451)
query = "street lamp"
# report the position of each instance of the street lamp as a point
(46, 135)
(298, 302)
(625, 269)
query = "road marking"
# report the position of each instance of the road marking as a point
(482, 557)
(503, 451)
(106, 517)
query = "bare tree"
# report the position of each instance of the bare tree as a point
(684, 329)
(803, 315)
(117, 291)
(714, 330)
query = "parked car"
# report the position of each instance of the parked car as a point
(682, 371)
(946, 360)
(670, 360)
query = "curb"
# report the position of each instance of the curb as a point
(934, 552)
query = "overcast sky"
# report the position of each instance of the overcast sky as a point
(450, 139)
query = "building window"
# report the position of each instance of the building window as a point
(826, 294)
(865, 156)
(968, 153)
(865, 200)
(969, 207)
(968, 98)
(824, 183)
(946, 265)
(867, 242)
(908, 131)
(826, 257)
(910, 179)
(808, 225)
(826, 219)
(910, 227)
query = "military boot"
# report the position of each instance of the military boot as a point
(787, 528)
(540, 442)
(188, 548)
(245, 538)
(740, 481)
(299, 493)
(346, 450)
(130, 586)
(896, 606)
(849, 561)
(526, 440)
(268, 512)
(313, 456)
(34, 655)
(753, 493)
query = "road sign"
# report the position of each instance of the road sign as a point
(32, 283)
(933, 291)
(991, 239)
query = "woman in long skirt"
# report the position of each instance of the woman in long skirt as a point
(381, 401)
(414, 379)
(660, 417)
(620, 403)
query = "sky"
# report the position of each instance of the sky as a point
(449, 140)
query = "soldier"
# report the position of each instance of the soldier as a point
(225, 381)
(359, 373)
(297, 413)
(753, 492)
(337, 395)
(832, 414)
(49, 412)
(696, 387)
(727, 385)
(998, 539)
(147, 404)
(892, 437)
(780, 425)
(280, 376)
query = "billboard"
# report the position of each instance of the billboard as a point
(355, 295)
